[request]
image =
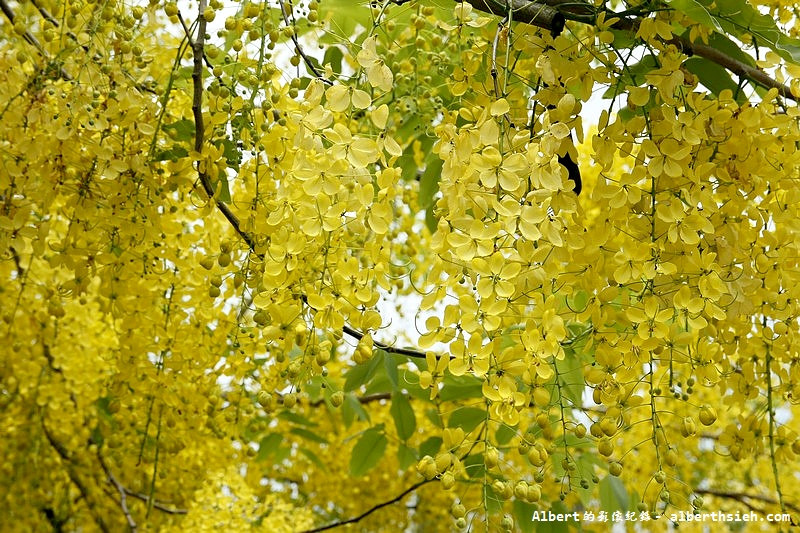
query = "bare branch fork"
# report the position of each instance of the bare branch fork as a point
(123, 499)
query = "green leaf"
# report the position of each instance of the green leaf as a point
(390, 365)
(474, 465)
(361, 374)
(379, 384)
(523, 511)
(344, 16)
(504, 434)
(729, 48)
(430, 447)
(174, 153)
(268, 446)
(434, 416)
(467, 418)
(570, 375)
(308, 435)
(333, 57)
(613, 496)
(295, 418)
(103, 407)
(745, 18)
(431, 220)
(314, 458)
(232, 153)
(740, 18)
(429, 182)
(404, 419)
(623, 39)
(493, 502)
(405, 456)
(713, 76)
(460, 387)
(352, 410)
(368, 451)
(182, 130)
(222, 185)
(695, 11)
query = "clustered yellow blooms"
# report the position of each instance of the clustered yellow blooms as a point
(184, 362)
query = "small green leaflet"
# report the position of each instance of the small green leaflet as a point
(404, 419)
(613, 496)
(361, 374)
(309, 435)
(523, 511)
(460, 387)
(268, 446)
(405, 456)
(174, 153)
(696, 11)
(428, 187)
(368, 451)
(713, 76)
(182, 130)
(429, 182)
(352, 410)
(740, 18)
(430, 447)
(570, 375)
(467, 418)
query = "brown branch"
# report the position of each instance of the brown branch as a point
(52, 20)
(372, 509)
(299, 48)
(123, 501)
(73, 476)
(742, 497)
(161, 506)
(28, 36)
(532, 13)
(742, 70)
(97, 56)
(535, 15)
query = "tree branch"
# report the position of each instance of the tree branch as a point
(372, 509)
(299, 48)
(82, 488)
(536, 15)
(123, 500)
(743, 497)
(28, 36)
(743, 70)
(533, 13)
(197, 45)
(156, 504)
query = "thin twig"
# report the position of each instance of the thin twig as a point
(123, 500)
(372, 509)
(28, 36)
(742, 497)
(299, 49)
(161, 506)
(82, 488)
(361, 399)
